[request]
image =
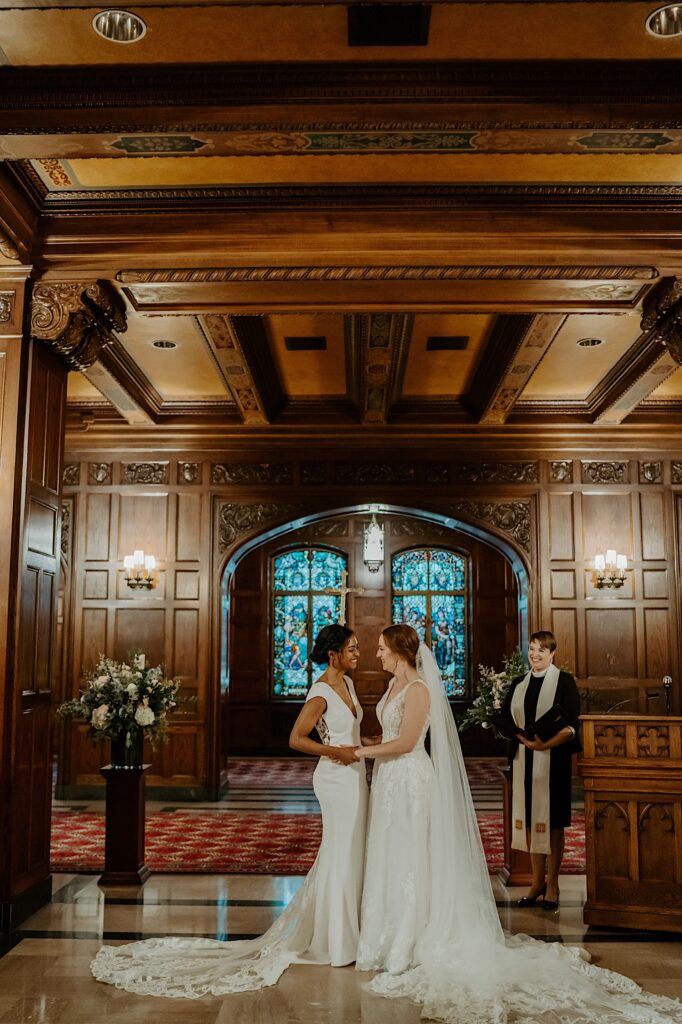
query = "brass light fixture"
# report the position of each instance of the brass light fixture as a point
(139, 570)
(373, 544)
(610, 570)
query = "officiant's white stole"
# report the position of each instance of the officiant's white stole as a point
(539, 825)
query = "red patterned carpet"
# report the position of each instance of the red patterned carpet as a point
(228, 843)
(281, 773)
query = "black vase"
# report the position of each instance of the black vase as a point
(127, 755)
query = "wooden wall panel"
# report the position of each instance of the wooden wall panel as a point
(561, 544)
(97, 527)
(611, 642)
(564, 626)
(656, 583)
(188, 537)
(185, 643)
(563, 583)
(143, 629)
(652, 512)
(657, 645)
(94, 639)
(143, 523)
(607, 523)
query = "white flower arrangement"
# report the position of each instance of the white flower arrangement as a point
(492, 689)
(125, 700)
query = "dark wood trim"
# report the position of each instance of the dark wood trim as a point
(252, 337)
(89, 96)
(498, 355)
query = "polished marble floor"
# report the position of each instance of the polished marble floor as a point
(45, 978)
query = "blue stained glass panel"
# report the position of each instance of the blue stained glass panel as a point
(290, 676)
(446, 571)
(326, 611)
(410, 571)
(292, 571)
(412, 610)
(448, 640)
(327, 570)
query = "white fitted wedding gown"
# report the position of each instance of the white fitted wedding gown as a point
(321, 923)
(429, 921)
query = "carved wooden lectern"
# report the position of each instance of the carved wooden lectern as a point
(632, 770)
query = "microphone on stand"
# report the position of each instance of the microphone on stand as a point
(667, 687)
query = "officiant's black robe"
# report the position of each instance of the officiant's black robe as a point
(560, 758)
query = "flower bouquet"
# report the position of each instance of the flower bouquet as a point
(492, 689)
(127, 703)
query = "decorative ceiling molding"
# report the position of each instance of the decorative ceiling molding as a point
(240, 348)
(392, 272)
(77, 319)
(513, 351)
(99, 93)
(383, 341)
(115, 392)
(663, 316)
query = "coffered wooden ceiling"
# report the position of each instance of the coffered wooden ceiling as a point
(250, 173)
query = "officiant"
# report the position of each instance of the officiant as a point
(540, 713)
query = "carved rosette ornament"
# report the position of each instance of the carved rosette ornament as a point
(189, 472)
(497, 472)
(676, 472)
(71, 474)
(511, 518)
(144, 473)
(663, 315)
(251, 473)
(99, 472)
(77, 319)
(235, 521)
(66, 529)
(6, 307)
(650, 472)
(605, 472)
(561, 472)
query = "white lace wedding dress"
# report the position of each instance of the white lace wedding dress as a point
(429, 921)
(321, 923)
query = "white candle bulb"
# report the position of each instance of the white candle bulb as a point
(138, 556)
(611, 556)
(599, 563)
(149, 562)
(622, 562)
(128, 562)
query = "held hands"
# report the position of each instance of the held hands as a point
(342, 755)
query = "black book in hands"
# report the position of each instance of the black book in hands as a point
(546, 726)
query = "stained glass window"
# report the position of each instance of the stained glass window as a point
(300, 610)
(430, 594)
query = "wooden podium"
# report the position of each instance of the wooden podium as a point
(632, 771)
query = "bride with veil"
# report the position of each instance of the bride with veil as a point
(429, 922)
(429, 919)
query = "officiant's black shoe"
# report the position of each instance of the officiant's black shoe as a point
(530, 901)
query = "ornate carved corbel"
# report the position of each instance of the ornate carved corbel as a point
(77, 319)
(7, 246)
(662, 315)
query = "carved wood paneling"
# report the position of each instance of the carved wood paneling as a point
(77, 319)
(653, 520)
(251, 473)
(510, 518)
(611, 642)
(144, 473)
(496, 472)
(561, 527)
(605, 472)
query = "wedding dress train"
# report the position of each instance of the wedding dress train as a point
(429, 921)
(320, 924)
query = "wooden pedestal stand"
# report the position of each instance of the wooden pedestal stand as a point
(517, 868)
(124, 837)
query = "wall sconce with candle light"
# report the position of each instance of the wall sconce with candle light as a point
(139, 570)
(610, 570)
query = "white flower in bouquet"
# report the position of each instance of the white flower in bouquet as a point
(100, 682)
(144, 715)
(133, 691)
(99, 716)
(139, 660)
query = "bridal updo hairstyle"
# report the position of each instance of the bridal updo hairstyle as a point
(403, 641)
(330, 638)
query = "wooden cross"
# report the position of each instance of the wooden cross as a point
(343, 591)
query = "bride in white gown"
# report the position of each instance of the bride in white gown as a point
(321, 924)
(429, 920)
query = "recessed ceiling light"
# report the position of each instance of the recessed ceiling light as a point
(164, 344)
(119, 26)
(590, 342)
(666, 21)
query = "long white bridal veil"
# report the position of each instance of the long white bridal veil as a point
(468, 971)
